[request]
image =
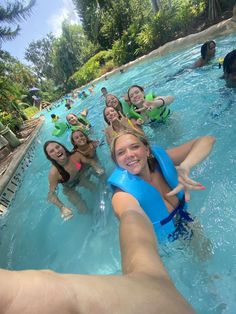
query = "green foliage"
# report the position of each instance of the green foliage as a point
(164, 26)
(31, 111)
(11, 119)
(39, 52)
(12, 13)
(70, 51)
(91, 69)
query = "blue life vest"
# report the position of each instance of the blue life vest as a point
(148, 197)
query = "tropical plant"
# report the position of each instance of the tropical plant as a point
(11, 14)
(39, 54)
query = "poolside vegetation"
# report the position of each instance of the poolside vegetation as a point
(113, 33)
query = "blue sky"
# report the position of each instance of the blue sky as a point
(46, 17)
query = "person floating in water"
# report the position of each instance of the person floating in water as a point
(208, 50)
(83, 144)
(69, 170)
(144, 286)
(116, 123)
(148, 107)
(54, 117)
(229, 68)
(104, 91)
(152, 180)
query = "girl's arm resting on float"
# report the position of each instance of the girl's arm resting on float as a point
(192, 152)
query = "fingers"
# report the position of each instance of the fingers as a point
(66, 217)
(175, 190)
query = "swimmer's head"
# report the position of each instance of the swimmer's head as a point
(229, 66)
(53, 116)
(110, 114)
(72, 119)
(139, 152)
(104, 91)
(79, 138)
(113, 101)
(136, 94)
(208, 49)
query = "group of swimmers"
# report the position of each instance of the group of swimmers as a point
(151, 191)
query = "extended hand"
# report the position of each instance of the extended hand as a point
(66, 213)
(185, 183)
(99, 171)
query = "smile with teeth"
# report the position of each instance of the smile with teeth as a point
(132, 162)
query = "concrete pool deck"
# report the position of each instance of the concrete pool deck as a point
(10, 178)
(11, 163)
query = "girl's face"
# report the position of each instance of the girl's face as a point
(112, 101)
(111, 114)
(72, 119)
(56, 152)
(79, 138)
(131, 154)
(136, 96)
(211, 49)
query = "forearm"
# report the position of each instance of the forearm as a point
(163, 101)
(200, 150)
(53, 198)
(138, 244)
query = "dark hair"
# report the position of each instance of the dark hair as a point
(151, 160)
(119, 103)
(72, 141)
(104, 116)
(103, 88)
(65, 175)
(228, 61)
(79, 119)
(204, 48)
(139, 87)
(53, 116)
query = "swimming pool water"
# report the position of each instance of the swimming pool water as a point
(32, 234)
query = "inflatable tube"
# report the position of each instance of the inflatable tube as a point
(60, 128)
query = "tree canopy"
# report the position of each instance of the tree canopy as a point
(11, 14)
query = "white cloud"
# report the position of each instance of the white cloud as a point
(66, 12)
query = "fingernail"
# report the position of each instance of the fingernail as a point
(202, 187)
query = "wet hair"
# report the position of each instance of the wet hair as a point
(79, 119)
(151, 160)
(103, 88)
(65, 175)
(72, 140)
(53, 116)
(228, 61)
(137, 86)
(119, 103)
(204, 48)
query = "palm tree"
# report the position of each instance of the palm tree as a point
(13, 13)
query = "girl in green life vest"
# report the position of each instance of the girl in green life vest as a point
(148, 107)
(78, 123)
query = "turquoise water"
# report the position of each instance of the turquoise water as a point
(32, 234)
